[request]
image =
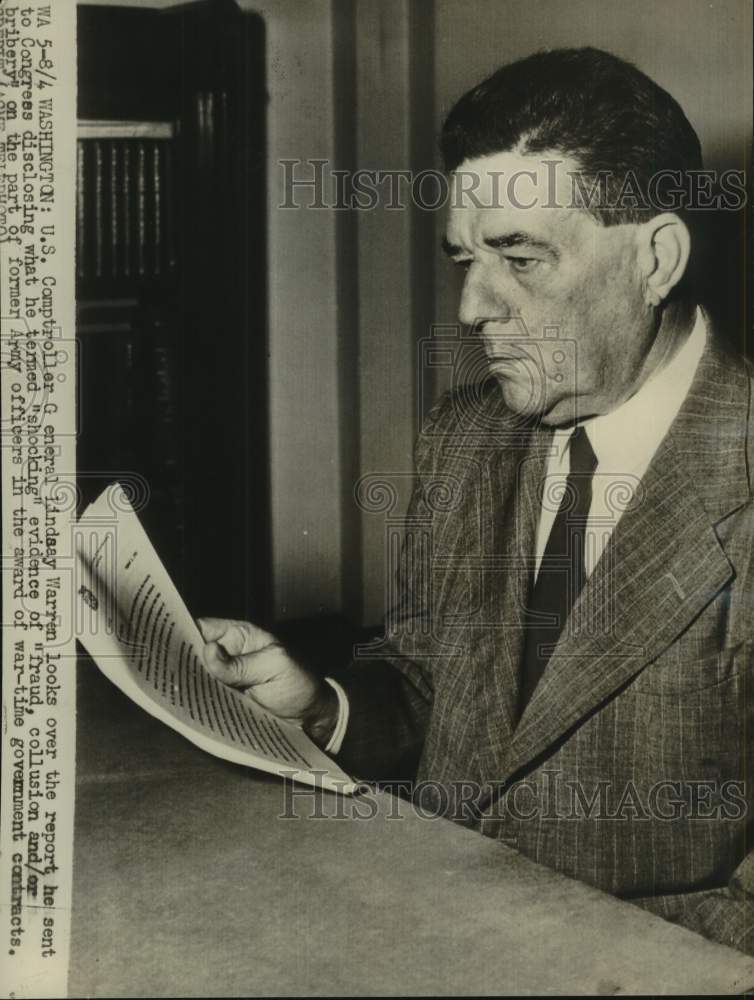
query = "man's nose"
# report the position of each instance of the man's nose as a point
(478, 303)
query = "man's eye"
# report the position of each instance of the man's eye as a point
(465, 264)
(523, 264)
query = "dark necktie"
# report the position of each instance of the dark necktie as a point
(562, 571)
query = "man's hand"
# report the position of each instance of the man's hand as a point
(247, 658)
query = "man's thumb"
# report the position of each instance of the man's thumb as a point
(235, 671)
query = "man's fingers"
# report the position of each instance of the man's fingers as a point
(235, 637)
(239, 654)
(243, 670)
(212, 628)
(227, 669)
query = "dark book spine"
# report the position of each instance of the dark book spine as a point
(98, 209)
(81, 241)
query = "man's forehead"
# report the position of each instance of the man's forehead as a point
(512, 192)
(544, 177)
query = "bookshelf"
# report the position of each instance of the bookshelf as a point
(171, 286)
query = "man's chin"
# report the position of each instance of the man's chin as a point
(533, 402)
(522, 396)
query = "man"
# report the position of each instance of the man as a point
(569, 668)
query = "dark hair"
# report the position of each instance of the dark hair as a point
(590, 105)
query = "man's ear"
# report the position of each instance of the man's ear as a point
(664, 245)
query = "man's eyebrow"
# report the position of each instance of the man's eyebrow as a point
(519, 239)
(504, 241)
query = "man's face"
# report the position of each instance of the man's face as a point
(555, 297)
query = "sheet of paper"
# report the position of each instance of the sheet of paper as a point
(137, 629)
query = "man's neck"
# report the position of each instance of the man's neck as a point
(675, 323)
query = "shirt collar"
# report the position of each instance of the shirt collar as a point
(625, 439)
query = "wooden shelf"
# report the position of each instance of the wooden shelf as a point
(91, 129)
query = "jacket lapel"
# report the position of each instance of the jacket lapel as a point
(512, 539)
(663, 565)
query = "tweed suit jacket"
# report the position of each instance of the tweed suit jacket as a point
(631, 767)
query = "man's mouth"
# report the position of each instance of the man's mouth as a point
(516, 364)
(494, 356)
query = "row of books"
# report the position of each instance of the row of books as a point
(126, 221)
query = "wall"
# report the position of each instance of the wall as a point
(304, 390)
(347, 293)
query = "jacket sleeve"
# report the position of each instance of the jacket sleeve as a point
(725, 915)
(390, 688)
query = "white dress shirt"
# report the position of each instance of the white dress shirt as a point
(624, 442)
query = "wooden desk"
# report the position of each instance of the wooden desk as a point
(187, 883)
